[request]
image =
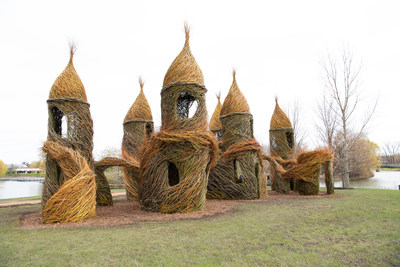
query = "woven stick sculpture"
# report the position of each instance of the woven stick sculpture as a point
(131, 165)
(215, 123)
(281, 139)
(304, 170)
(70, 125)
(138, 128)
(75, 200)
(239, 173)
(175, 163)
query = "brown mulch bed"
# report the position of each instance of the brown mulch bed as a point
(128, 212)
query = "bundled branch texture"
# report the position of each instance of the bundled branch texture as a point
(75, 200)
(175, 163)
(138, 127)
(67, 101)
(239, 173)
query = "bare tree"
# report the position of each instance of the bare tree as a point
(294, 111)
(328, 122)
(341, 78)
(391, 152)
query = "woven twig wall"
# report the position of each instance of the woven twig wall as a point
(136, 132)
(281, 145)
(78, 136)
(175, 163)
(75, 198)
(239, 173)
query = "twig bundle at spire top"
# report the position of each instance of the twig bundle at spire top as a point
(235, 102)
(279, 119)
(215, 122)
(68, 83)
(140, 109)
(184, 67)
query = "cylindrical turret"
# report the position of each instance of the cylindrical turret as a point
(281, 139)
(138, 127)
(239, 174)
(71, 125)
(175, 163)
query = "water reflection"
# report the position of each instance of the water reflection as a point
(13, 189)
(381, 180)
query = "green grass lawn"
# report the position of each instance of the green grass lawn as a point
(362, 228)
(20, 198)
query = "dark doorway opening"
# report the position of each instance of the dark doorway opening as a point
(173, 174)
(290, 139)
(57, 120)
(149, 131)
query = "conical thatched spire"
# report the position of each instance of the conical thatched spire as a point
(140, 109)
(215, 122)
(235, 100)
(68, 84)
(279, 118)
(184, 67)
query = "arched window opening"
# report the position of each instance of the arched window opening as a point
(290, 139)
(173, 174)
(149, 130)
(257, 170)
(274, 144)
(57, 120)
(64, 127)
(238, 172)
(186, 105)
(219, 135)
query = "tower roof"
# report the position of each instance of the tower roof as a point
(279, 118)
(184, 67)
(68, 83)
(140, 109)
(215, 122)
(235, 100)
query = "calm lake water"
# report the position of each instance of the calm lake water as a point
(16, 189)
(382, 180)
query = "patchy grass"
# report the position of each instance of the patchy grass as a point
(118, 190)
(360, 228)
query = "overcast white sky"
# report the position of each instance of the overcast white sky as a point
(275, 46)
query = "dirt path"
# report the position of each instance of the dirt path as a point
(129, 213)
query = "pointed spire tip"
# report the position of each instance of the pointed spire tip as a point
(72, 50)
(141, 82)
(187, 32)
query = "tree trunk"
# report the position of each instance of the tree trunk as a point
(329, 178)
(345, 177)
